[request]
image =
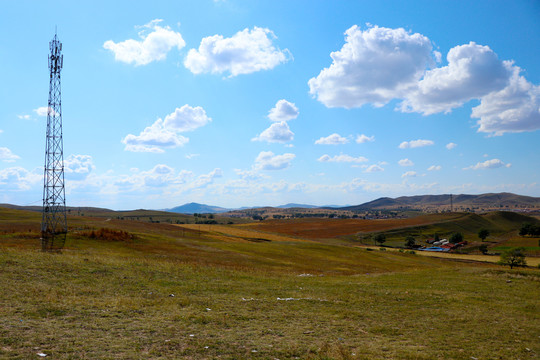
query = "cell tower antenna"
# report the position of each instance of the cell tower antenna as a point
(54, 222)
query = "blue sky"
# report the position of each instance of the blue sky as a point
(249, 103)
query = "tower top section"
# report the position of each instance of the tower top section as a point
(56, 59)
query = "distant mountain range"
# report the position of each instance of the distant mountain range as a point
(458, 202)
(193, 208)
(301, 206)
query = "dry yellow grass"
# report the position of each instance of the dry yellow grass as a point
(170, 295)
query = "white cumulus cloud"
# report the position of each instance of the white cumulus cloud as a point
(516, 108)
(266, 160)
(186, 118)
(434, 168)
(342, 158)
(153, 139)
(488, 164)
(374, 66)
(155, 43)
(78, 167)
(276, 133)
(6, 155)
(360, 139)
(279, 131)
(166, 133)
(43, 111)
(18, 178)
(283, 111)
(379, 64)
(405, 162)
(245, 52)
(473, 71)
(162, 175)
(334, 139)
(206, 179)
(451, 145)
(415, 144)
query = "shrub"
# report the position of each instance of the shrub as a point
(513, 257)
(380, 238)
(456, 238)
(483, 249)
(110, 235)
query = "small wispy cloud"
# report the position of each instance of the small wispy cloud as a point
(334, 139)
(373, 168)
(415, 144)
(342, 158)
(360, 139)
(488, 164)
(405, 162)
(409, 174)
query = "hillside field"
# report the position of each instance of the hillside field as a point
(141, 290)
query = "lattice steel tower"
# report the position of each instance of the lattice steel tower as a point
(54, 223)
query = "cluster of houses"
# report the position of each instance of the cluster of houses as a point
(442, 245)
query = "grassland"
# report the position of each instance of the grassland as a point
(240, 292)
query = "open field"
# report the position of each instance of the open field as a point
(330, 228)
(226, 292)
(237, 233)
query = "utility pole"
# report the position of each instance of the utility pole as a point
(54, 223)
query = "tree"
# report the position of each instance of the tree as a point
(483, 248)
(483, 234)
(525, 228)
(410, 241)
(436, 238)
(513, 257)
(456, 238)
(380, 238)
(529, 229)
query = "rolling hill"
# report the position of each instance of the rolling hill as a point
(458, 202)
